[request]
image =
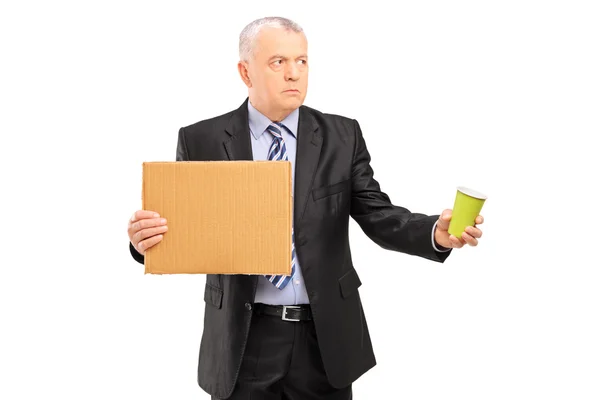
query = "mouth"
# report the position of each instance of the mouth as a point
(292, 91)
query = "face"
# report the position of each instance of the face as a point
(277, 73)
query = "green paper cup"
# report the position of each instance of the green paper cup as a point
(467, 206)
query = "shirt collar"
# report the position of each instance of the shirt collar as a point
(259, 123)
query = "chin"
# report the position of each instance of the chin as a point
(293, 102)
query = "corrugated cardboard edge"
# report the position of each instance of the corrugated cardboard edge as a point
(144, 206)
(291, 191)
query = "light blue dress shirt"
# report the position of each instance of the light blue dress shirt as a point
(295, 291)
(266, 292)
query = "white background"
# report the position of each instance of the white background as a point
(499, 96)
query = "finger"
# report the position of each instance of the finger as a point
(148, 232)
(479, 219)
(470, 240)
(141, 214)
(136, 230)
(147, 223)
(455, 242)
(146, 244)
(475, 232)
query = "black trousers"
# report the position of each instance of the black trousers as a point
(282, 362)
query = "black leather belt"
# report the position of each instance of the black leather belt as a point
(286, 313)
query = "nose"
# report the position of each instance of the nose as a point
(292, 73)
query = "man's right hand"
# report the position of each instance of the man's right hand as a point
(145, 229)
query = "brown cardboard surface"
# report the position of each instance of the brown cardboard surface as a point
(223, 217)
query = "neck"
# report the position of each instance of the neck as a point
(273, 115)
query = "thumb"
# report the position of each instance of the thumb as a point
(444, 220)
(446, 215)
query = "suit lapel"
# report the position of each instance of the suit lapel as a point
(238, 147)
(308, 151)
(237, 144)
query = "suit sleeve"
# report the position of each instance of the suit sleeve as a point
(391, 227)
(181, 155)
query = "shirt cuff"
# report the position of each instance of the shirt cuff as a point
(440, 249)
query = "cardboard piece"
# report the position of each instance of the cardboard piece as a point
(223, 217)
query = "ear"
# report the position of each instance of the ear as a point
(244, 74)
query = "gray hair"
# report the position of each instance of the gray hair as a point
(251, 31)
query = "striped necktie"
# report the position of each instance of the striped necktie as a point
(278, 152)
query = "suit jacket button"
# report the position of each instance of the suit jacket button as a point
(248, 306)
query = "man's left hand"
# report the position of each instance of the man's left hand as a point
(469, 236)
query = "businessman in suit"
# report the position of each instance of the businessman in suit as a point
(302, 336)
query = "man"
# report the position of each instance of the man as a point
(252, 345)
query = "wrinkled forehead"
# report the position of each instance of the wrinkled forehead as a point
(271, 42)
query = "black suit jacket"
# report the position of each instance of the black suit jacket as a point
(333, 182)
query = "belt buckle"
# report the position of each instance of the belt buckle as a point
(284, 314)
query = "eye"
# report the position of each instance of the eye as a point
(277, 62)
(302, 62)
